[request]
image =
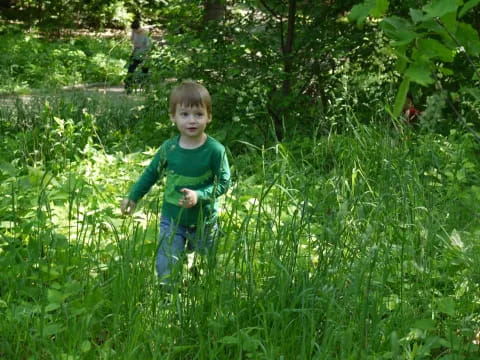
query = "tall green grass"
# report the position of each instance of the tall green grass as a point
(346, 246)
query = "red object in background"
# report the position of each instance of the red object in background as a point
(412, 114)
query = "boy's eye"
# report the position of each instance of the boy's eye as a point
(199, 114)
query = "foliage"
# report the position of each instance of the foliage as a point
(427, 42)
(24, 58)
(239, 60)
(360, 244)
(54, 15)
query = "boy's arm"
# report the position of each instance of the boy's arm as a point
(221, 181)
(149, 177)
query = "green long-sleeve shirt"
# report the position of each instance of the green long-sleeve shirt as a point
(204, 169)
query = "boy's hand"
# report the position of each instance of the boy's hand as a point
(128, 206)
(189, 200)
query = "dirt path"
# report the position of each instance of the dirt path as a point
(95, 88)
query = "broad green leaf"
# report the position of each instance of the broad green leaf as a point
(467, 36)
(424, 324)
(86, 346)
(380, 8)
(401, 54)
(54, 296)
(420, 73)
(401, 96)
(401, 64)
(439, 8)
(434, 49)
(440, 25)
(450, 22)
(475, 93)
(396, 23)
(8, 168)
(52, 329)
(467, 7)
(52, 272)
(72, 288)
(375, 8)
(398, 29)
(359, 13)
(38, 177)
(403, 38)
(447, 306)
(52, 307)
(431, 342)
(416, 15)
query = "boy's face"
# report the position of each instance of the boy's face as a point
(191, 121)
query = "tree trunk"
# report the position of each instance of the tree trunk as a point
(278, 104)
(287, 54)
(214, 10)
(287, 47)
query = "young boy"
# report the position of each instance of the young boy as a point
(197, 173)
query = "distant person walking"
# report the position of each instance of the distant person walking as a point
(141, 45)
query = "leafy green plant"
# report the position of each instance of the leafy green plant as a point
(427, 42)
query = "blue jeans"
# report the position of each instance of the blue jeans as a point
(175, 240)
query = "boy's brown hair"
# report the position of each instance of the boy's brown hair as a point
(190, 94)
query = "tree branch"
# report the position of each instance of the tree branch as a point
(270, 10)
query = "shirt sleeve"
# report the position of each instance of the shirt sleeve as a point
(221, 182)
(149, 176)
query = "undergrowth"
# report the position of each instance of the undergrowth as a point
(361, 244)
